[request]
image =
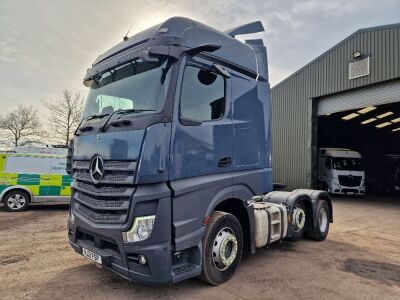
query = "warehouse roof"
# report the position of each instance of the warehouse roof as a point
(359, 31)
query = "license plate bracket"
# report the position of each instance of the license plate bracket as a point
(92, 256)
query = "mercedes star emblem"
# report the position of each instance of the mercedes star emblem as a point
(97, 168)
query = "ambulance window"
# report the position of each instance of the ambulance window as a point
(28, 165)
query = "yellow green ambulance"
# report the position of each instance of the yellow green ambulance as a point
(30, 175)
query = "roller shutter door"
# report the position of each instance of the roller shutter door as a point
(368, 96)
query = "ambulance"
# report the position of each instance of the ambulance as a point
(32, 175)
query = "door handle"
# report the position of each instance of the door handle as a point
(224, 162)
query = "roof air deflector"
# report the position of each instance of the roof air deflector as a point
(253, 27)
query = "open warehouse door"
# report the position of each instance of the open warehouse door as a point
(372, 131)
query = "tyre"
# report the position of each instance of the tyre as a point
(222, 248)
(298, 222)
(16, 200)
(320, 231)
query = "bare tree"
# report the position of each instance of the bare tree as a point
(66, 114)
(21, 126)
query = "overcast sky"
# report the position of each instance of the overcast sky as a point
(47, 45)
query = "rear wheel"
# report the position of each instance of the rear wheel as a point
(222, 248)
(319, 232)
(298, 222)
(15, 201)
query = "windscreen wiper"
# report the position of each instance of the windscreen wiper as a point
(88, 127)
(122, 112)
(88, 118)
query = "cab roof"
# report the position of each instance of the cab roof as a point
(339, 152)
(185, 33)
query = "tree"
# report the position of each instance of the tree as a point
(66, 114)
(22, 125)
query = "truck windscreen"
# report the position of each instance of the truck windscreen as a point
(347, 164)
(141, 86)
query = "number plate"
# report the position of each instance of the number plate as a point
(91, 255)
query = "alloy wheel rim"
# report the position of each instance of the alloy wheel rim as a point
(16, 201)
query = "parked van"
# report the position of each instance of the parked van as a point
(341, 171)
(30, 174)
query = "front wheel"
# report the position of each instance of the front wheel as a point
(15, 201)
(222, 248)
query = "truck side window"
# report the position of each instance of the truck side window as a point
(328, 162)
(202, 95)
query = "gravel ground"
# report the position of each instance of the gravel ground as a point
(359, 260)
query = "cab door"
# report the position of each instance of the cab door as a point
(201, 144)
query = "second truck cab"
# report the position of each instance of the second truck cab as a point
(341, 171)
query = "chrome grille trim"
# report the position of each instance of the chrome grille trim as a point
(109, 165)
(102, 191)
(107, 179)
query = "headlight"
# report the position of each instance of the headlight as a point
(141, 229)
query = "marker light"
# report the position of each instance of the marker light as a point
(350, 116)
(367, 109)
(368, 121)
(385, 115)
(383, 125)
(141, 229)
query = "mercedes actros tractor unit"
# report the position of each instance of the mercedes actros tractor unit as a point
(171, 164)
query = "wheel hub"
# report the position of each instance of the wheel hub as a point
(299, 219)
(224, 249)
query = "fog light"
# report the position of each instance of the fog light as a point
(142, 259)
(141, 229)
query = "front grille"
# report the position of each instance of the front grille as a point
(349, 180)
(101, 217)
(106, 202)
(105, 190)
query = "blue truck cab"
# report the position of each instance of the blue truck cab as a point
(173, 147)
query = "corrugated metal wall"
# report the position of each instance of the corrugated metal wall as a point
(293, 110)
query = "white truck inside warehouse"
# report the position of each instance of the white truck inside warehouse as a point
(172, 161)
(341, 171)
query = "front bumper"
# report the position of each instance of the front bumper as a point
(349, 191)
(120, 257)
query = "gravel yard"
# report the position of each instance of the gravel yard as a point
(359, 260)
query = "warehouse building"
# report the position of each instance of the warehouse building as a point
(349, 97)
